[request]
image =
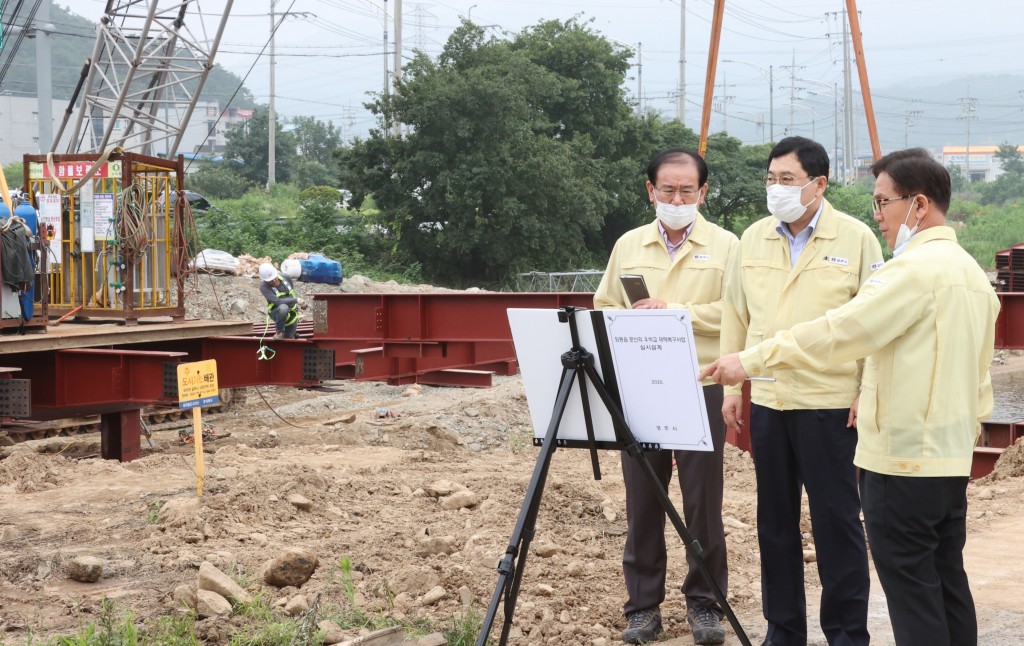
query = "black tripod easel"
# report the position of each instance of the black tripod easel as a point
(578, 364)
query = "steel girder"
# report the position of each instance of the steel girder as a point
(89, 381)
(408, 338)
(1010, 324)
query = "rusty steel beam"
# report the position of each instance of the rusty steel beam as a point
(464, 378)
(94, 381)
(399, 337)
(294, 362)
(1010, 324)
(433, 317)
(998, 434)
(985, 459)
(121, 435)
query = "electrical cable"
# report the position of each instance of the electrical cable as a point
(240, 85)
(130, 227)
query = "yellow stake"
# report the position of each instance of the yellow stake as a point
(197, 436)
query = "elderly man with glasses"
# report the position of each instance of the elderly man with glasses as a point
(683, 259)
(793, 266)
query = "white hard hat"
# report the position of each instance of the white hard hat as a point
(267, 272)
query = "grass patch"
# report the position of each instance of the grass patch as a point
(153, 516)
(465, 628)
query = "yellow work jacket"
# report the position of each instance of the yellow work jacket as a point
(693, 280)
(766, 293)
(926, 323)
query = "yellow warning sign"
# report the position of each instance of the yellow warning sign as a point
(197, 384)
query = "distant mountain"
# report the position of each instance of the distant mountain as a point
(938, 114)
(72, 46)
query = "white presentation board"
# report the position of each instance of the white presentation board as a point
(653, 367)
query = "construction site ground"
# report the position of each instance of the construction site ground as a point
(377, 463)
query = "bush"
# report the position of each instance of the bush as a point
(219, 180)
(992, 229)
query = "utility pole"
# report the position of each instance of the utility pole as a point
(909, 116)
(723, 104)
(847, 102)
(771, 90)
(835, 128)
(681, 106)
(396, 127)
(385, 52)
(969, 107)
(792, 90)
(834, 89)
(271, 116)
(639, 78)
(44, 86)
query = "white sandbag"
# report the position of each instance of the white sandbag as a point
(214, 261)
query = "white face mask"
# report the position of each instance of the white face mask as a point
(784, 201)
(676, 216)
(905, 233)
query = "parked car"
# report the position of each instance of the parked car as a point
(198, 202)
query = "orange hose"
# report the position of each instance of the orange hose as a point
(57, 322)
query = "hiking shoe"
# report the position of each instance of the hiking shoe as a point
(706, 626)
(279, 336)
(642, 626)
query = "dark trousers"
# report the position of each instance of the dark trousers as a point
(700, 478)
(917, 529)
(280, 315)
(809, 449)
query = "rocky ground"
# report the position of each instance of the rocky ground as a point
(405, 498)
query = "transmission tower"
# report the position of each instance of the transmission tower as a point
(422, 19)
(970, 106)
(908, 122)
(148, 68)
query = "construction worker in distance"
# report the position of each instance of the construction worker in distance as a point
(282, 302)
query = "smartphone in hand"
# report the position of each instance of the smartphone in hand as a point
(635, 286)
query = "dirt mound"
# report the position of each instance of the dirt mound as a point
(418, 489)
(1010, 463)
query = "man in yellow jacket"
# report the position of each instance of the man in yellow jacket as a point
(793, 266)
(683, 259)
(926, 324)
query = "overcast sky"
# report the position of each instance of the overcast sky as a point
(329, 52)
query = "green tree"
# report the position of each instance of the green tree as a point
(14, 173)
(318, 212)
(957, 178)
(736, 190)
(854, 200)
(247, 144)
(222, 180)
(316, 142)
(493, 178)
(1010, 160)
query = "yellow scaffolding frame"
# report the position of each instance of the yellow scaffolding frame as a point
(128, 264)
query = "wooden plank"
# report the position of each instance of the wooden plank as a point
(83, 335)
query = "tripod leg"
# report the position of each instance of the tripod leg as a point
(510, 573)
(626, 437)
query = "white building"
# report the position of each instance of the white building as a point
(983, 165)
(19, 128)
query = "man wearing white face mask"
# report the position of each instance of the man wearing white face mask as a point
(683, 259)
(793, 266)
(926, 324)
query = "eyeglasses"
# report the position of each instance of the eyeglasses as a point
(785, 180)
(668, 193)
(878, 203)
